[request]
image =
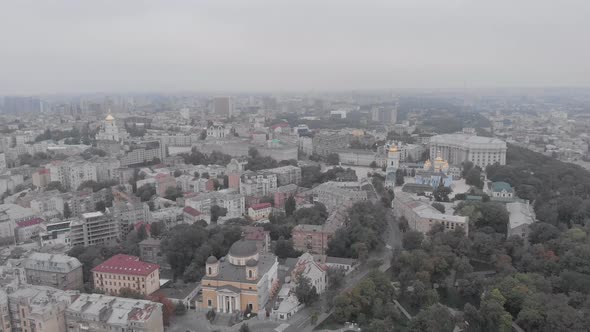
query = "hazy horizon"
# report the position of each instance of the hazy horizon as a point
(136, 46)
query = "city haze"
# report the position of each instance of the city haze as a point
(114, 46)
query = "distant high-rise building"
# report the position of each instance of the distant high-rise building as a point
(223, 106)
(22, 105)
(385, 115)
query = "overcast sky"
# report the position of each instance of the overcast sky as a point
(124, 45)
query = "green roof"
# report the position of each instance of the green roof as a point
(500, 186)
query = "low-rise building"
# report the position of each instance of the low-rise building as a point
(311, 238)
(421, 216)
(149, 250)
(96, 312)
(308, 267)
(242, 281)
(28, 229)
(501, 191)
(58, 271)
(521, 216)
(192, 215)
(259, 211)
(125, 271)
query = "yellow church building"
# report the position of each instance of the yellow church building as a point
(242, 280)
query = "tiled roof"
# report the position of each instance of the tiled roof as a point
(30, 222)
(260, 206)
(192, 211)
(125, 264)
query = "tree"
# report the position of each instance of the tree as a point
(491, 315)
(284, 249)
(373, 164)
(412, 240)
(305, 292)
(433, 319)
(142, 233)
(168, 307)
(244, 328)
(172, 193)
(473, 177)
(55, 185)
(399, 177)
(156, 229)
(177, 173)
(441, 193)
(439, 207)
(130, 293)
(67, 211)
(290, 206)
(179, 309)
(333, 159)
(403, 224)
(216, 212)
(145, 192)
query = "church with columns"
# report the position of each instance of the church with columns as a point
(243, 280)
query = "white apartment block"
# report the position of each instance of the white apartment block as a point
(94, 228)
(457, 148)
(287, 174)
(261, 183)
(71, 174)
(235, 203)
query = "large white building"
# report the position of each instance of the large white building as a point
(458, 148)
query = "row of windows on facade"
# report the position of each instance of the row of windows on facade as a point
(119, 277)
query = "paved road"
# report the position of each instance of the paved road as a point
(300, 322)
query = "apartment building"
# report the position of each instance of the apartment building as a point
(261, 183)
(39, 308)
(287, 174)
(96, 312)
(232, 201)
(58, 271)
(94, 228)
(71, 174)
(125, 271)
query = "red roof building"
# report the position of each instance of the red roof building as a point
(125, 271)
(260, 206)
(30, 222)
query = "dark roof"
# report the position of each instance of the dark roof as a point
(251, 262)
(179, 291)
(237, 273)
(243, 248)
(211, 260)
(501, 185)
(340, 260)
